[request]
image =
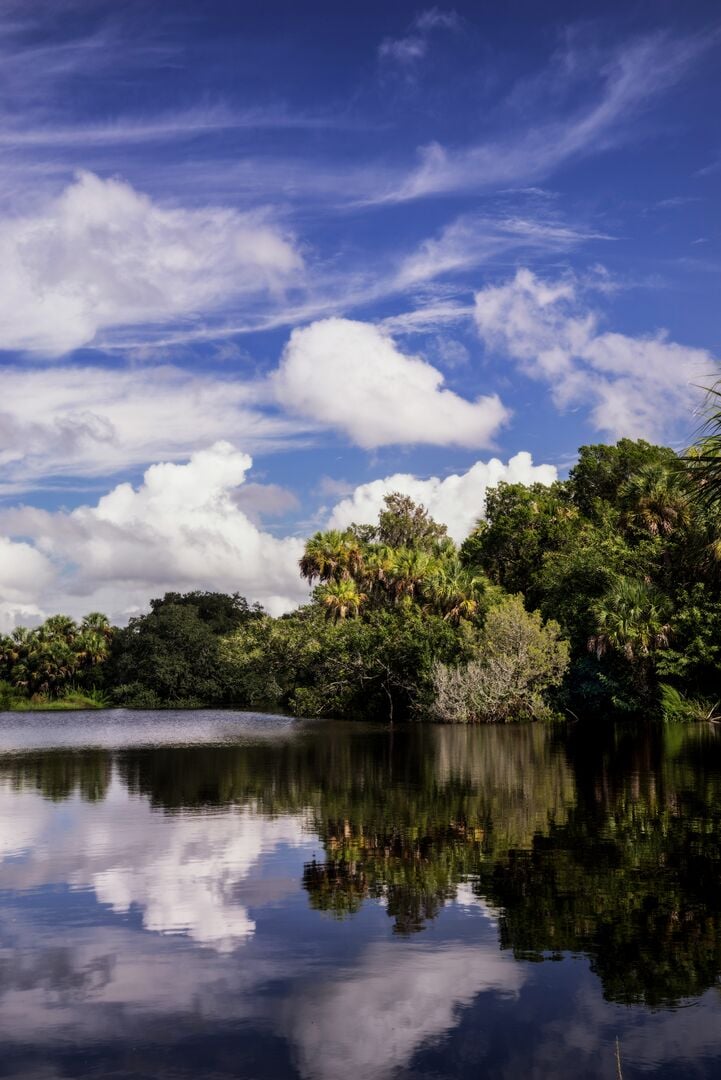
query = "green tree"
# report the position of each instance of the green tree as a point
(404, 524)
(602, 471)
(172, 655)
(656, 499)
(332, 556)
(521, 524)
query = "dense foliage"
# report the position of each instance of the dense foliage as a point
(599, 594)
(173, 654)
(628, 562)
(57, 659)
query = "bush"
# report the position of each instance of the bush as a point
(136, 696)
(8, 696)
(678, 707)
(519, 658)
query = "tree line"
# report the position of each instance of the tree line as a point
(597, 595)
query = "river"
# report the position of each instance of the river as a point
(218, 894)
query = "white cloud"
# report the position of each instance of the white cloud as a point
(185, 878)
(626, 81)
(184, 873)
(181, 529)
(456, 501)
(414, 45)
(24, 573)
(103, 255)
(22, 570)
(473, 239)
(351, 376)
(434, 315)
(93, 421)
(399, 997)
(634, 386)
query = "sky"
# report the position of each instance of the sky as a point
(263, 263)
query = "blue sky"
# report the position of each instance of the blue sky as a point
(279, 254)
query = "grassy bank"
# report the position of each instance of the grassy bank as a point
(43, 703)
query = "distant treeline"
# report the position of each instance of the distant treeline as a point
(599, 595)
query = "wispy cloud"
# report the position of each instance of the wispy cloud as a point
(711, 169)
(72, 421)
(628, 80)
(414, 44)
(175, 126)
(467, 242)
(472, 240)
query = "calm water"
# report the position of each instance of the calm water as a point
(227, 895)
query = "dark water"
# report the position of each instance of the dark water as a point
(223, 895)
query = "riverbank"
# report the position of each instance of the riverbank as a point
(39, 703)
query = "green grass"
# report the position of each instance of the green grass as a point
(11, 701)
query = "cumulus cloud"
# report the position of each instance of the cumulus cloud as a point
(185, 878)
(351, 376)
(22, 570)
(372, 1023)
(456, 501)
(103, 255)
(92, 421)
(180, 529)
(24, 573)
(183, 873)
(642, 387)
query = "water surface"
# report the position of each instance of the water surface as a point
(234, 895)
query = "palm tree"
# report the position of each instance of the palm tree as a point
(60, 627)
(341, 599)
(95, 620)
(455, 592)
(631, 619)
(703, 460)
(411, 568)
(331, 556)
(659, 500)
(378, 567)
(46, 659)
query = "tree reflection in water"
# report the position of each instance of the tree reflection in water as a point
(606, 844)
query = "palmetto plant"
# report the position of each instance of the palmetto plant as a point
(378, 566)
(659, 500)
(50, 657)
(703, 459)
(341, 599)
(411, 569)
(631, 619)
(331, 556)
(454, 592)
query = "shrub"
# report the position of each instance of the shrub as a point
(681, 708)
(519, 658)
(8, 695)
(136, 696)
